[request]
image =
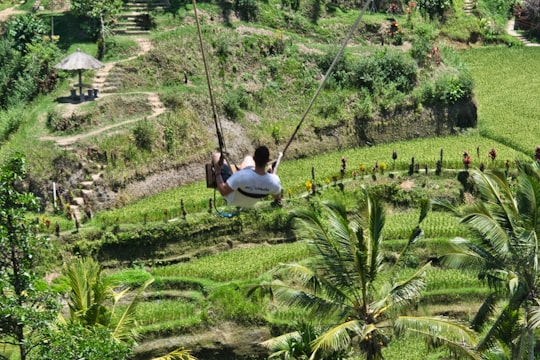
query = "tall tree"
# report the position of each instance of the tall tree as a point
(26, 307)
(348, 285)
(506, 222)
(101, 13)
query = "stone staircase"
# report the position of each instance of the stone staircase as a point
(136, 19)
(469, 6)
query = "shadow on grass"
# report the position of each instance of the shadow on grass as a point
(68, 28)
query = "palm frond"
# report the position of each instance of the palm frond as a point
(455, 337)
(334, 239)
(505, 327)
(407, 290)
(527, 197)
(315, 304)
(486, 310)
(425, 207)
(533, 321)
(327, 242)
(492, 229)
(339, 337)
(282, 341)
(318, 285)
(124, 327)
(178, 354)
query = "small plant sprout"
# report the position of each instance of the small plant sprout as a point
(492, 154)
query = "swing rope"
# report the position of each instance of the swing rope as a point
(217, 121)
(323, 82)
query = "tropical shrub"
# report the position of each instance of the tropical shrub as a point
(25, 29)
(448, 88)
(384, 68)
(73, 341)
(434, 8)
(144, 134)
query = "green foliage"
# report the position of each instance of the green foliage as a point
(434, 8)
(247, 9)
(10, 120)
(75, 121)
(385, 68)
(144, 135)
(235, 100)
(73, 341)
(93, 9)
(502, 7)
(449, 88)
(230, 303)
(505, 254)
(24, 30)
(25, 61)
(93, 300)
(25, 303)
(425, 34)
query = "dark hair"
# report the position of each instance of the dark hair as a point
(262, 155)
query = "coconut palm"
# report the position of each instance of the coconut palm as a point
(506, 222)
(348, 285)
(93, 301)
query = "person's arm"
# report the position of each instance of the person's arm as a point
(222, 186)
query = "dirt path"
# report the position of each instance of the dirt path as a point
(6, 13)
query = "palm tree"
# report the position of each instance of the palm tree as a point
(506, 222)
(348, 285)
(93, 301)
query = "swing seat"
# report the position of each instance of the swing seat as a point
(211, 182)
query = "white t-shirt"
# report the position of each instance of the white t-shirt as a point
(252, 183)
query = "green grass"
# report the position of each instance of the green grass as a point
(165, 311)
(508, 106)
(249, 263)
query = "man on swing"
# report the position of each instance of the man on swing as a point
(250, 183)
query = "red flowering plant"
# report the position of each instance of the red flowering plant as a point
(492, 154)
(537, 154)
(466, 160)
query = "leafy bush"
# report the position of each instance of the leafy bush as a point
(248, 9)
(385, 67)
(56, 122)
(366, 74)
(434, 8)
(9, 122)
(449, 88)
(234, 101)
(25, 29)
(144, 134)
(340, 73)
(73, 341)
